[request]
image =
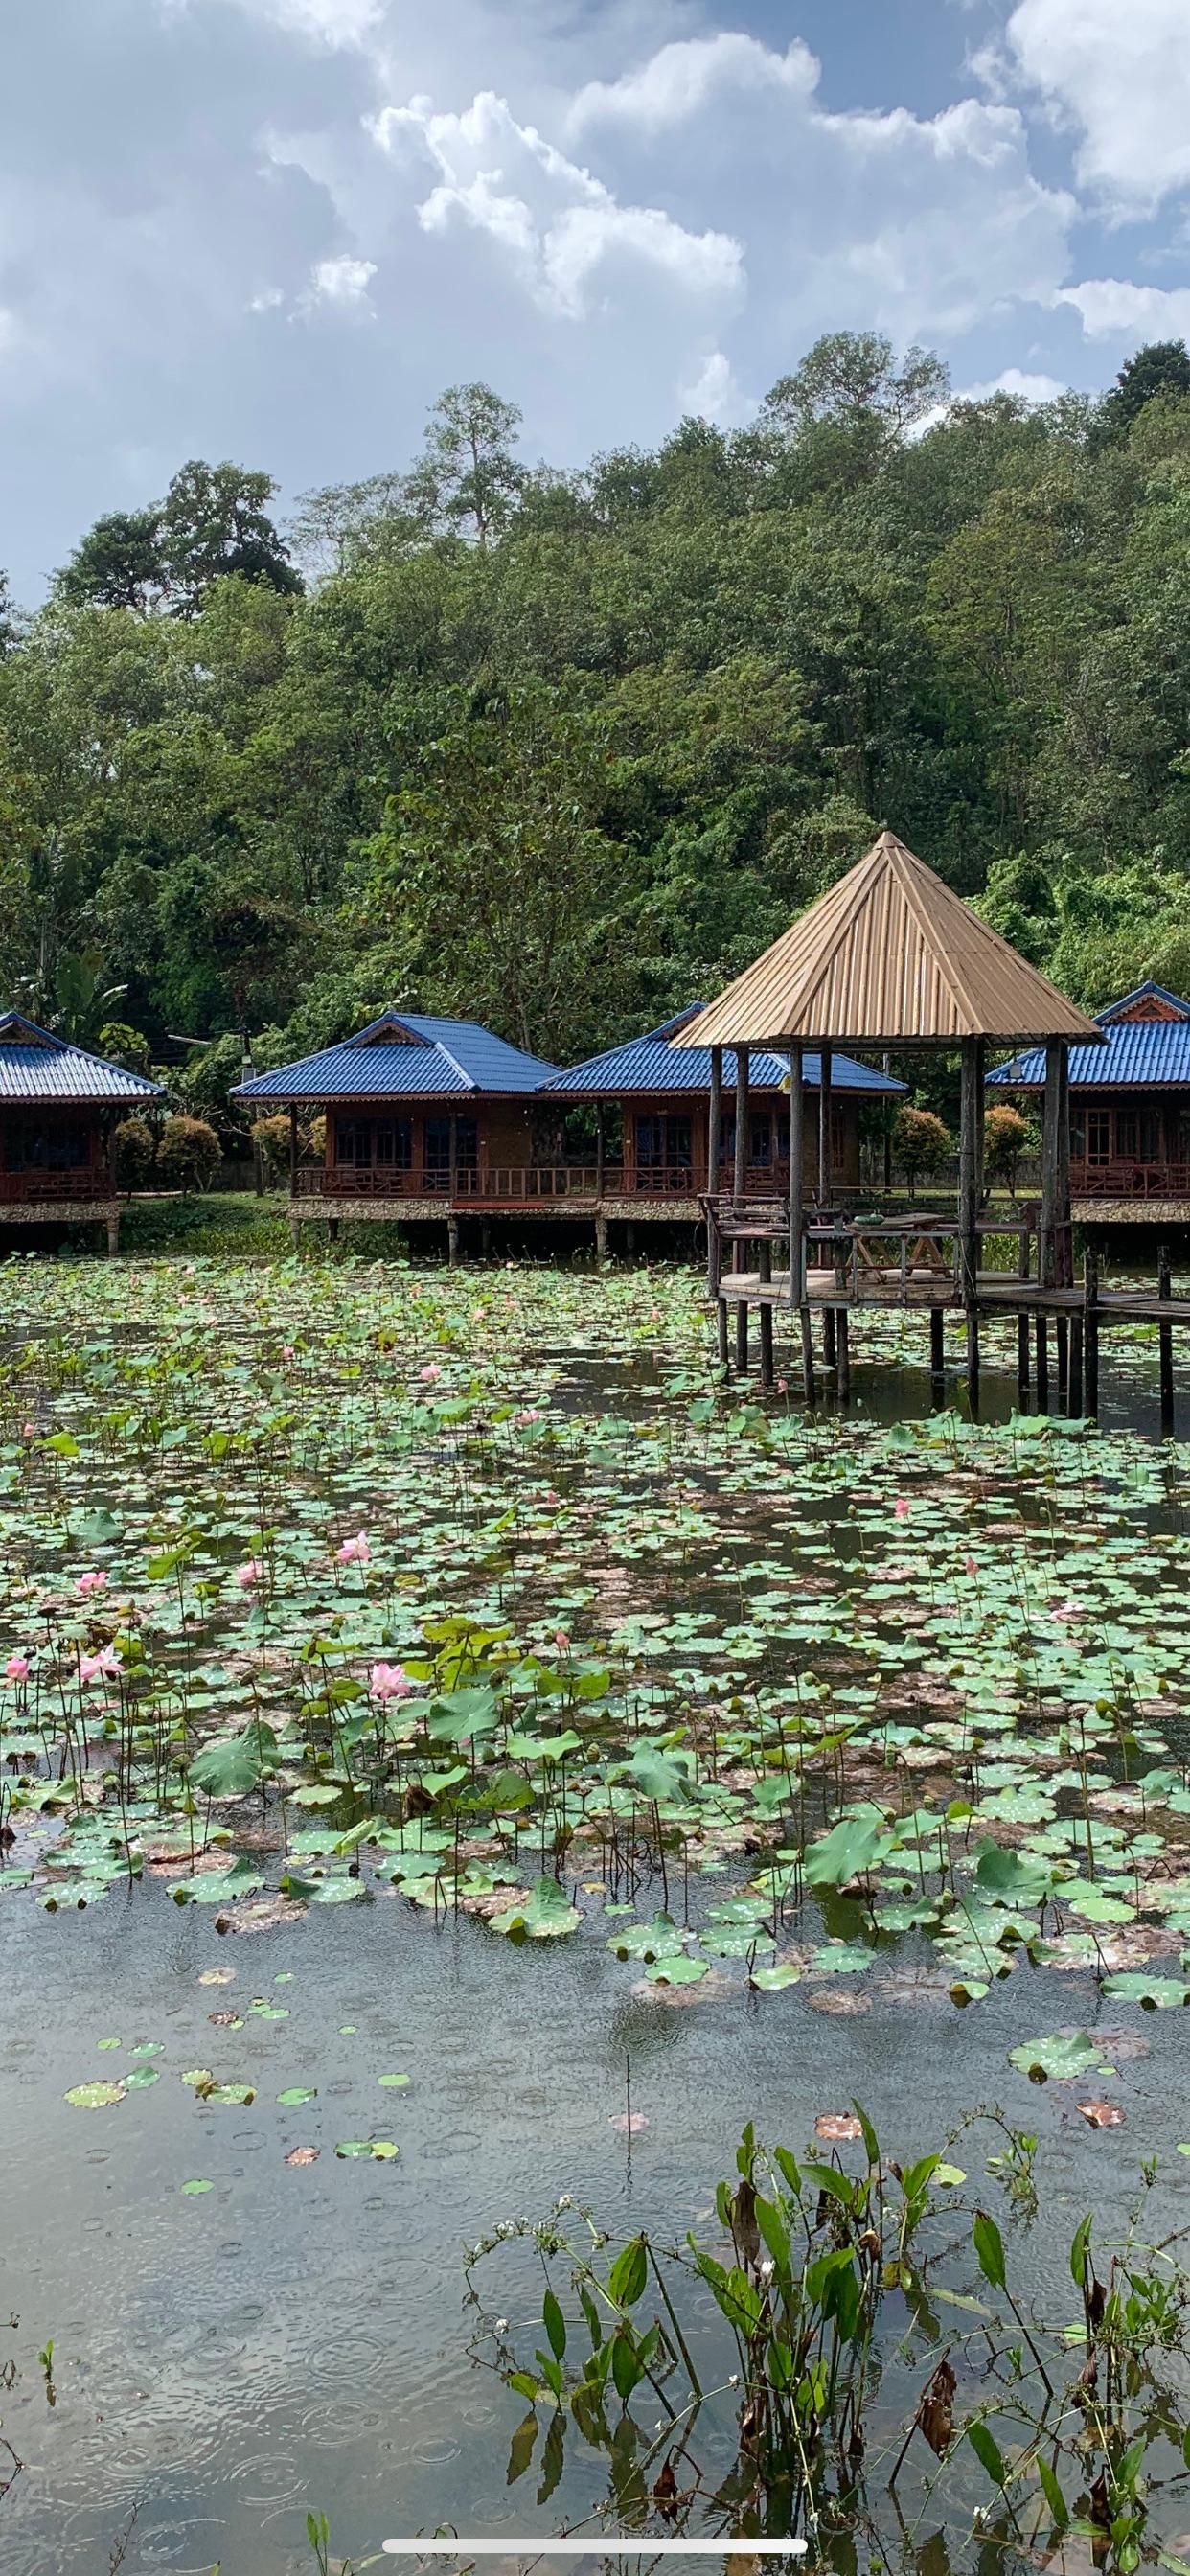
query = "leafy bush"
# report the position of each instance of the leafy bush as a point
(135, 1148)
(189, 1153)
(1007, 1136)
(921, 1143)
(272, 1136)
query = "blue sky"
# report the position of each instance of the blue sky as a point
(274, 229)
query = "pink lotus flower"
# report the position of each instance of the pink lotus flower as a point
(249, 1574)
(28, 1431)
(389, 1681)
(354, 1551)
(93, 1582)
(100, 1667)
(17, 1668)
(969, 1565)
(532, 1413)
(561, 1640)
(287, 1351)
(782, 1386)
(900, 1509)
(430, 1372)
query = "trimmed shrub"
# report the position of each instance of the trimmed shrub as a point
(272, 1136)
(921, 1143)
(1007, 1137)
(135, 1146)
(189, 1154)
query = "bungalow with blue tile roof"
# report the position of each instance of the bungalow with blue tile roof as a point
(59, 1106)
(1129, 1110)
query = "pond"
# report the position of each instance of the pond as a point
(433, 1708)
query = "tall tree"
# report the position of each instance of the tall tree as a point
(118, 564)
(1159, 371)
(467, 478)
(214, 521)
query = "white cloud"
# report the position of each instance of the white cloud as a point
(1019, 381)
(563, 232)
(1113, 307)
(713, 393)
(682, 78)
(1118, 73)
(343, 281)
(324, 22)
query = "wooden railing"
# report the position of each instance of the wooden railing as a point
(19, 1188)
(1127, 1180)
(498, 1184)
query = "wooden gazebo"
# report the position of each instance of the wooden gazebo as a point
(891, 959)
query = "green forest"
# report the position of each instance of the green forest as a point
(561, 751)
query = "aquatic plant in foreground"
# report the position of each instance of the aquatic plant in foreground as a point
(863, 2316)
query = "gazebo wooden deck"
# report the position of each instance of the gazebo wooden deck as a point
(888, 961)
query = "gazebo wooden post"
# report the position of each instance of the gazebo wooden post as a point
(714, 1151)
(1165, 1343)
(739, 1193)
(797, 1216)
(293, 1148)
(600, 1151)
(970, 1133)
(1047, 1238)
(826, 1191)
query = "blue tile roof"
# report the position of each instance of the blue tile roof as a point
(35, 1065)
(649, 1063)
(441, 1059)
(1136, 1055)
(1149, 992)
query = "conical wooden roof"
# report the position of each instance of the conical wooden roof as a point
(888, 957)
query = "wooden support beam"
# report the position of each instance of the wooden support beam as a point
(826, 1178)
(1022, 1322)
(1165, 1343)
(938, 1348)
(715, 1122)
(1047, 1249)
(797, 1178)
(1043, 1364)
(452, 1240)
(765, 1316)
(809, 1389)
(601, 1236)
(293, 1148)
(970, 1165)
(724, 1348)
(739, 1192)
(830, 1338)
(843, 1333)
(1091, 1329)
(600, 1149)
(1076, 1368)
(1062, 1342)
(742, 1074)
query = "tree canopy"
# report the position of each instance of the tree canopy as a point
(563, 749)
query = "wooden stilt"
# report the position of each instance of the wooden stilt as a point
(724, 1345)
(830, 1338)
(601, 1236)
(938, 1350)
(714, 1154)
(1091, 1330)
(764, 1318)
(825, 1173)
(113, 1230)
(1076, 1367)
(1043, 1365)
(843, 1344)
(332, 1231)
(485, 1237)
(1062, 1342)
(808, 1386)
(797, 1215)
(1022, 1326)
(293, 1148)
(452, 1241)
(1165, 1344)
(970, 1160)
(739, 1194)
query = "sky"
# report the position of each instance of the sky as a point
(274, 230)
